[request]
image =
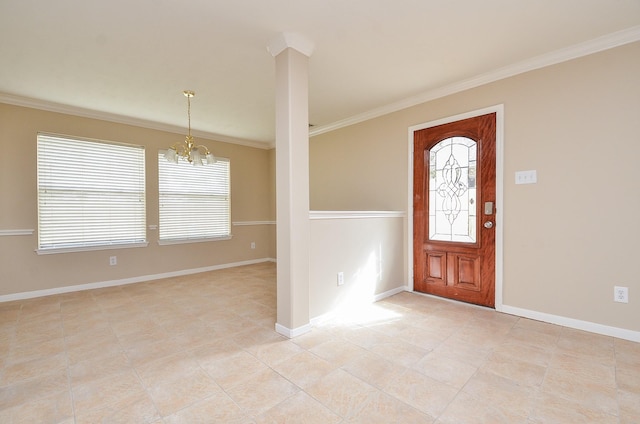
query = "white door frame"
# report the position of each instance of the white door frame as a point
(499, 111)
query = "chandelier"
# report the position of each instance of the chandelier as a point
(187, 150)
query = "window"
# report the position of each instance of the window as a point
(90, 194)
(452, 190)
(194, 201)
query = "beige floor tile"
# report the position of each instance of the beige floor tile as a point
(8, 318)
(554, 409)
(33, 308)
(391, 328)
(16, 372)
(276, 352)
(524, 351)
(124, 327)
(627, 351)
(98, 367)
(214, 350)
(582, 389)
(533, 338)
(304, 369)
(582, 369)
(148, 352)
(50, 409)
(168, 368)
(172, 395)
(299, 408)
(254, 336)
(401, 353)
(219, 408)
(470, 354)
(155, 352)
(424, 338)
(629, 407)
(446, 369)
(99, 394)
(481, 337)
(467, 409)
(513, 399)
(84, 323)
(380, 408)
(33, 389)
(40, 331)
(539, 326)
(314, 338)
(214, 315)
(342, 393)
(587, 345)
(233, 370)
(423, 393)
(520, 371)
(146, 336)
(80, 305)
(134, 409)
(101, 342)
(193, 338)
(262, 392)
(231, 326)
(337, 352)
(373, 369)
(447, 322)
(628, 379)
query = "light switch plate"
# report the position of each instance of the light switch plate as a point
(526, 177)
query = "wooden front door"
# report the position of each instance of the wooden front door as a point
(454, 195)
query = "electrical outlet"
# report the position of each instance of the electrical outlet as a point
(340, 278)
(113, 260)
(621, 294)
(253, 244)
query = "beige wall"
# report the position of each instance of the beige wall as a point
(567, 239)
(22, 270)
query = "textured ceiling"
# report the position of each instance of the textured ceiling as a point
(133, 58)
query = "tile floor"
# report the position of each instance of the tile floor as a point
(201, 349)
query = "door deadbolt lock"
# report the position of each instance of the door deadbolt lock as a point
(488, 224)
(488, 208)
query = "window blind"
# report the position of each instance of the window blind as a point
(194, 200)
(90, 193)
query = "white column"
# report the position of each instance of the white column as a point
(291, 54)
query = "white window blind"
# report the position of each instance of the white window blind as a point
(90, 194)
(194, 200)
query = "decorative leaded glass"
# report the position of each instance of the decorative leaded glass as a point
(452, 190)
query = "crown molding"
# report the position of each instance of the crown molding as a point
(596, 45)
(121, 119)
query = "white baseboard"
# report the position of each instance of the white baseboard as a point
(390, 293)
(124, 281)
(291, 333)
(577, 324)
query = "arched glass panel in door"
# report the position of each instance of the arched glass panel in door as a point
(452, 190)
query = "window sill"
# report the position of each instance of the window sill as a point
(55, 250)
(194, 240)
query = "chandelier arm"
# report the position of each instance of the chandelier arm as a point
(202, 146)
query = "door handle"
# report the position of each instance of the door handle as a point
(488, 224)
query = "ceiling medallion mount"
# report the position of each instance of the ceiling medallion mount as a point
(187, 150)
